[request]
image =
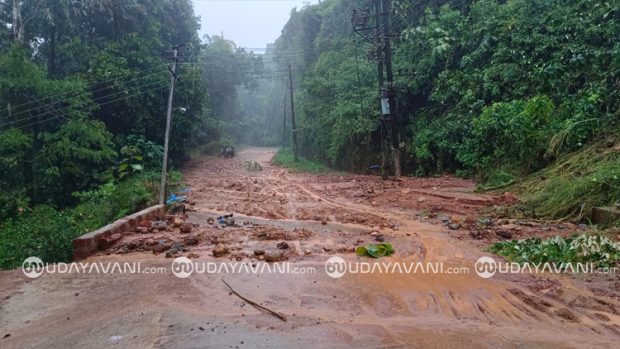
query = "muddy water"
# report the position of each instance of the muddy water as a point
(319, 216)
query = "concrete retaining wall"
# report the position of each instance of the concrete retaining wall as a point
(88, 244)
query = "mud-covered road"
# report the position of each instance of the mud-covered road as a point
(318, 217)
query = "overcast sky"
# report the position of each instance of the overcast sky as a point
(249, 23)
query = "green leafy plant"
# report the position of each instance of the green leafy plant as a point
(375, 250)
(597, 249)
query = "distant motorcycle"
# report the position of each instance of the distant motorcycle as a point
(227, 152)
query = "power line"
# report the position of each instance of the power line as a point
(106, 103)
(78, 109)
(89, 85)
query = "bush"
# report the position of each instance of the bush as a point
(582, 248)
(514, 134)
(45, 233)
(285, 158)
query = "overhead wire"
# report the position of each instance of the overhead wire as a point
(105, 103)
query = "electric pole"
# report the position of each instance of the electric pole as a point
(290, 78)
(284, 123)
(382, 126)
(391, 117)
(164, 166)
(382, 53)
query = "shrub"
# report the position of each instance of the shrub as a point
(45, 233)
(514, 134)
(582, 248)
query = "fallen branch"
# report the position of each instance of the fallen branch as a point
(256, 305)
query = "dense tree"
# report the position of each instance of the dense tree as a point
(468, 74)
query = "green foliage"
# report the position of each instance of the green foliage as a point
(509, 134)
(582, 248)
(14, 145)
(489, 88)
(48, 233)
(44, 232)
(285, 158)
(375, 250)
(73, 157)
(575, 183)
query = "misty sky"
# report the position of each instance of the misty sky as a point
(249, 23)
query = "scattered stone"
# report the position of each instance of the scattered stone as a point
(193, 255)
(525, 223)
(159, 225)
(190, 240)
(175, 250)
(107, 242)
(176, 222)
(274, 256)
(470, 220)
(158, 248)
(445, 220)
(142, 230)
(485, 221)
(567, 315)
(146, 224)
(229, 221)
(211, 220)
(380, 238)
(307, 252)
(421, 199)
(454, 226)
(186, 228)
(220, 250)
(476, 234)
(504, 234)
(258, 252)
(328, 247)
(282, 245)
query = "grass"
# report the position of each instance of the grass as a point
(284, 157)
(575, 183)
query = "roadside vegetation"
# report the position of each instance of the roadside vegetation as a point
(285, 158)
(83, 93)
(584, 248)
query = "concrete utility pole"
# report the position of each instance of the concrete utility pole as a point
(391, 117)
(18, 24)
(164, 166)
(379, 36)
(290, 78)
(383, 127)
(284, 123)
